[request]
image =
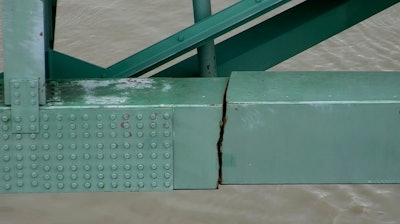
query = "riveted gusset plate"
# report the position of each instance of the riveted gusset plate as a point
(89, 150)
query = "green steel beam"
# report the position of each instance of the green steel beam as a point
(312, 127)
(62, 66)
(23, 45)
(192, 37)
(117, 135)
(284, 36)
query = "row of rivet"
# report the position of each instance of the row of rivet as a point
(86, 156)
(99, 117)
(126, 145)
(86, 176)
(74, 135)
(86, 185)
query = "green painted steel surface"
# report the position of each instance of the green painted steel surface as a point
(61, 66)
(117, 135)
(291, 128)
(23, 44)
(284, 36)
(192, 37)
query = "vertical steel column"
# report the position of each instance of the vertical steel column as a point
(23, 44)
(206, 53)
(24, 62)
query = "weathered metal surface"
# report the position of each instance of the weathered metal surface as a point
(117, 135)
(23, 44)
(296, 128)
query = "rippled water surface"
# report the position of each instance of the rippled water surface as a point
(104, 32)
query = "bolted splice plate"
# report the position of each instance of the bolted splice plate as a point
(89, 150)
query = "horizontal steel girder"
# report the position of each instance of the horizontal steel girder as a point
(312, 127)
(117, 135)
(164, 134)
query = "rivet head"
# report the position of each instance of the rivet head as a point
(100, 185)
(87, 167)
(32, 118)
(19, 157)
(114, 167)
(6, 136)
(140, 145)
(154, 184)
(140, 175)
(140, 155)
(87, 176)
(74, 167)
(153, 166)
(127, 145)
(5, 127)
(167, 133)
(100, 167)
(114, 176)
(154, 175)
(100, 156)
(99, 117)
(153, 125)
(74, 176)
(19, 166)
(33, 157)
(100, 176)
(128, 184)
(113, 156)
(114, 184)
(73, 157)
(127, 176)
(34, 183)
(127, 167)
(17, 119)
(167, 175)
(60, 186)
(140, 167)
(72, 117)
(141, 185)
(20, 184)
(139, 116)
(166, 116)
(4, 118)
(60, 177)
(74, 185)
(47, 186)
(126, 116)
(139, 125)
(59, 117)
(6, 158)
(167, 184)
(6, 177)
(86, 156)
